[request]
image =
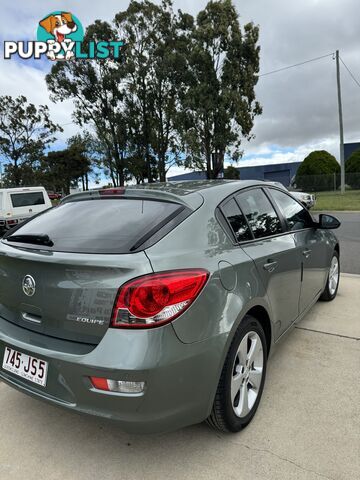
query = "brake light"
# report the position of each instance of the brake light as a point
(100, 383)
(112, 191)
(118, 386)
(157, 299)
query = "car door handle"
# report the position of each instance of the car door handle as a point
(270, 266)
(31, 318)
(306, 253)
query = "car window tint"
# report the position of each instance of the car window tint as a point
(237, 221)
(259, 212)
(27, 199)
(100, 226)
(296, 216)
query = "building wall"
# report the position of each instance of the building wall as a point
(281, 172)
(349, 148)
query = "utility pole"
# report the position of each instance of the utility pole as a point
(342, 160)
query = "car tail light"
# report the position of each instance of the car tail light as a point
(118, 386)
(156, 299)
(112, 191)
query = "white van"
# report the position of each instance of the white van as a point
(18, 204)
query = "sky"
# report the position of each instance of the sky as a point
(300, 112)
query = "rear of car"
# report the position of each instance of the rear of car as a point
(54, 195)
(19, 204)
(155, 306)
(77, 311)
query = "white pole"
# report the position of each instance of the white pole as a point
(342, 161)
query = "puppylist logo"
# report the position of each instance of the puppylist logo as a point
(59, 37)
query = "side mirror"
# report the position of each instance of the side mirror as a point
(328, 221)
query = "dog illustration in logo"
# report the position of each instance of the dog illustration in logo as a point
(59, 25)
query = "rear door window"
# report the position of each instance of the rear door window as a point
(297, 217)
(236, 220)
(27, 199)
(259, 212)
(100, 225)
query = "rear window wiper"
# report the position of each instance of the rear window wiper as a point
(35, 239)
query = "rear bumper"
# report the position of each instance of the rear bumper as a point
(181, 379)
(6, 223)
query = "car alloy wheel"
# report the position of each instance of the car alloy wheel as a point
(333, 279)
(333, 275)
(242, 378)
(247, 374)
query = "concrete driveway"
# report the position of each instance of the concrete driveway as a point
(307, 425)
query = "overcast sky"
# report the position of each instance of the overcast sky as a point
(299, 105)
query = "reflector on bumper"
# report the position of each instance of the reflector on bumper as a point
(118, 386)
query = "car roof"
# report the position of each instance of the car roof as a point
(206, 188)
(191, 193)
(22, 189)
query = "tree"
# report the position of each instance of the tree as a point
(29, 174)
(154, 66)
(80, 146)
(219, 106)
(317, 170)
(319, 162)
(179, 85)
(94, 87)
(231, 173)
(25, 132)
(135, 26)
(62, 169)
(352, 170)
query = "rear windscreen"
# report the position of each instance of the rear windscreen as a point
(27, 199)
(101, 225)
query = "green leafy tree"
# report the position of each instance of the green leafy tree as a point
(154, 66)
(94, 87)
(319, 162)
(179, 85)
(25, 132)
(317, 170)
(135, 26)
(231, 173)
(219, 106)
(81, 145)
(29, 173)
(352, 170)
(62, 169)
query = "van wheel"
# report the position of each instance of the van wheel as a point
(242, 379)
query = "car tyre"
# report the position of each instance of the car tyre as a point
(333, 279)
(244, 370)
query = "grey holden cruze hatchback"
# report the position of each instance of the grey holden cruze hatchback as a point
(158, 306)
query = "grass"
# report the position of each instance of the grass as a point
(335, 201)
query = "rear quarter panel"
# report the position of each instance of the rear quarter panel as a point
(233, 286)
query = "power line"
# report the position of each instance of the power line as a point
(297, 65)
(350, 73)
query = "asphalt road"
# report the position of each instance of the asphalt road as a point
(349, 236)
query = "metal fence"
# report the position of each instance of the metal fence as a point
(322, 183)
